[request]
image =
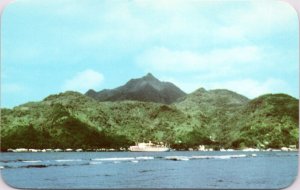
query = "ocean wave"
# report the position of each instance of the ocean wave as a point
(125, 159)
(185, 158)
(144, 158)
(32, 166)
(95, 163)
(177, 158)
(35, 166)
(32, 161)
(220, 156)
(114, 159)
(69, 160)
(17, 160)
(144, 171)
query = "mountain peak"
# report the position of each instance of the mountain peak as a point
(149, 76)
(200, 90)
(147, 89)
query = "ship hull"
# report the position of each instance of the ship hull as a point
(149, 149)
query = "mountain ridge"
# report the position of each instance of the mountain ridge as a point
(217, 118)
(147, 88)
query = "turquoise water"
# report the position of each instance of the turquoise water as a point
(239, 170)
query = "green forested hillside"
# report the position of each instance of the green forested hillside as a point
(271, 120)
(216, 107)
(217, 118)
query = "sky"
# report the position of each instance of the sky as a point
(48, 47)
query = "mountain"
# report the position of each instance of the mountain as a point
(270, 120)
(147, 89)
(211, 101)
(215, 118)
(215, 107)
(73, 120)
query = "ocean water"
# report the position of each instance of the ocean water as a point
(178, 169)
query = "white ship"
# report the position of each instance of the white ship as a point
(148, 147)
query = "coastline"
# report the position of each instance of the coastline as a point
(18, 150)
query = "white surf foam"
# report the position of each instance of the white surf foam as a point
(31, 161)
(69, 160)
(144, 158)
(114, 159)
(222, 156)
(177, 158)
(95, 163)
(201, 157)
(239, 156)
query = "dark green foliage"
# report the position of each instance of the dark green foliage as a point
(218, 118)
(270, 120)
(25, 136)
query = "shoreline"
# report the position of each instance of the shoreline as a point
(23, 150)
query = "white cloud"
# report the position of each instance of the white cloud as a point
(177, 23)
(92, 38)
(227, 34)
(187, 86)
(260, 18)
(173, 6)
(170, 20)
(83, 81)
(215, 40)
(217, 61)
(201, 22)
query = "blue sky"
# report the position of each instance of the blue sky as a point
(49, 46)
